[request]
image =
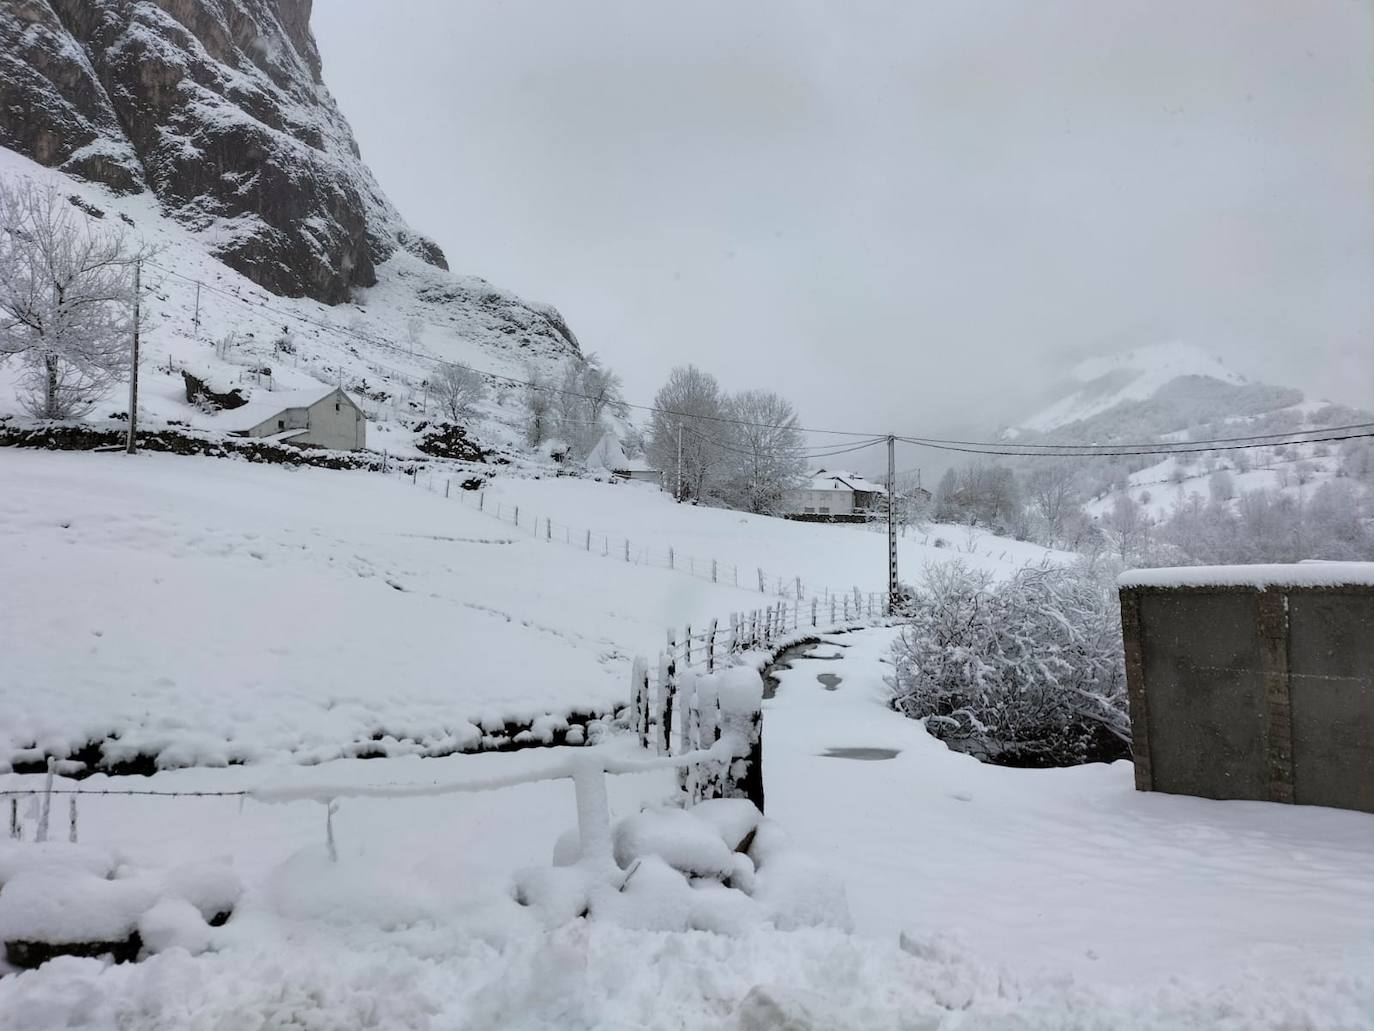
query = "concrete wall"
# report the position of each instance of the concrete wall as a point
(1242, 692)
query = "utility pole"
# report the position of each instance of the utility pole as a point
(678, 495)
(891, 526)
(129, 445)
(196, 320)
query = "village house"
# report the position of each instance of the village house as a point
(836, 496)
(609, 457)
(321, 417)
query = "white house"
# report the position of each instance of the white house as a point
(320, 417)
(835, 494)
(608, 456)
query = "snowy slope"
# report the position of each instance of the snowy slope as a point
(362, 344)
(214, 611)
(1098, 384)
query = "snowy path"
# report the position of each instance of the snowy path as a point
(1060, 871)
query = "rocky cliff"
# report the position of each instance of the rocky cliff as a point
(217, 107)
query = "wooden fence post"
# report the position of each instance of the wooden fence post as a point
(589, 540)
(687, 646)
(667, 689)
(16, 832)
(71, 819)
(846, 608)
(711, 649)
(627, 549)
(639, 688)
(548, 529)
(813, 611)
(46, 808)
(713, 571)
(761, 586)
(832, 610)
(447, 485)
(798, 579)
(517, 515)
(672, 559)
(481, 500)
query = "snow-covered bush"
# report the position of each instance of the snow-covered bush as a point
(1024, 672)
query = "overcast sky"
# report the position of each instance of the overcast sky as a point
(899, 214)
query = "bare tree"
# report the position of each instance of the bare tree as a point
(1053, 494)
(538, 405)
(415, 331)
(691, 409)
(457, 389)
(763, 455)
(66, 291)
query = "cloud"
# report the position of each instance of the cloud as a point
(901, 215)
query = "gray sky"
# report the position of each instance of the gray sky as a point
(899, 214)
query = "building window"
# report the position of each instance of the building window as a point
(825, 510)
(281, 424)
(809, 509)
(336, 407)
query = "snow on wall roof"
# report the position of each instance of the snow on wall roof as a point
(823, 479)
(1299, 574)
(263, 406)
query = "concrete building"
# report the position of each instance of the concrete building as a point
(321, 417)
(835, 495)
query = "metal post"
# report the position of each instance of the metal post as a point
(129, 444)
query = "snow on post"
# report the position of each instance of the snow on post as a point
(735, 697)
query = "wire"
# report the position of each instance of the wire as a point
(1126, 454)
(1147, 444)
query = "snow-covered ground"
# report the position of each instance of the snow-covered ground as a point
(208, 611)
(980, 897)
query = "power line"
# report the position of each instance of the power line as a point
(1147, 444)
(1126, 454)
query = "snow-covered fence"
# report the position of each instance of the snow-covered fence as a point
(792, 589)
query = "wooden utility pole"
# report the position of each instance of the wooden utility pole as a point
(196, 320)
(678, 495)
(891, 526)
(130, 445)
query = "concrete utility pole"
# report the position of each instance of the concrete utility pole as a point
(678, 495)
(891, 526)
(130, 446)
(196, 320)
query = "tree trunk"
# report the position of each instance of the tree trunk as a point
(50, 401)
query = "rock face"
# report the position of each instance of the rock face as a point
(216, 106)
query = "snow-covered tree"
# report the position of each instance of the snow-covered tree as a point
(762, 451)
(1028, 671)
(1128, 527)
(415, 331)
(66, 296)
(1052, 491)
(457, 389)
(689, 407)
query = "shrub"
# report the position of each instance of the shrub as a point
(1027, 672)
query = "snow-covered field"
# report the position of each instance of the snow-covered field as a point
(979, 898)
(207, 611)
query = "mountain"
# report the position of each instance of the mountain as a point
(1176, 392)
(217, 107)
(206, 126)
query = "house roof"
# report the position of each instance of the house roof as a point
(265, 404)
(823, 479)
(609, 455)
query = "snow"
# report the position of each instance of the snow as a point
(263, 405)
(174, 924)
(1101, 383)
(686, 843)
(1261, 575)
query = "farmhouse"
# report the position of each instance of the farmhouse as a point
(608, 456)
(840, 496)
(320, 417)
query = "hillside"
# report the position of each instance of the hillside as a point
(1177, 393)
(205, 130)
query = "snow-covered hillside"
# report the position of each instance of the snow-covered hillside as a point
(1098, 384)
(217, 611)
(1175, 393)
(258, 342)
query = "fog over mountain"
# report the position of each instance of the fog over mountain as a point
(901, 215)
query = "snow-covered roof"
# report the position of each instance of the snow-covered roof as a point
(1299, 574)
(263, 405)
(823, 479)
(609, 455)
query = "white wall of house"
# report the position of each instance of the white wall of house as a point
(333, 421)
(819, 502)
